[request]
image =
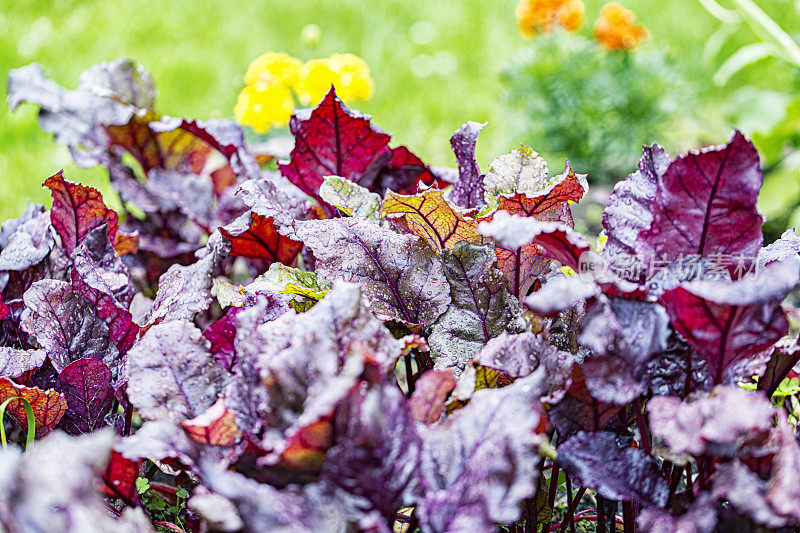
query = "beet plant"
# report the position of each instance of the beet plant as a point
(351, 340)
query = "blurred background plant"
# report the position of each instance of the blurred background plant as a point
(771, 116)
(594, 99)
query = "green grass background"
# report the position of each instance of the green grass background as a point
(198, 51)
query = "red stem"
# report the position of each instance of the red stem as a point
(128, 419)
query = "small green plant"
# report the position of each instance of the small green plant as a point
(167, 504)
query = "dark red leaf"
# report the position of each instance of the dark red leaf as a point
(77, 210)
(332, 140)
(119, 479)
(706, 205)
(86, 385)
(254, 236)
(727, 322)
(404, 174)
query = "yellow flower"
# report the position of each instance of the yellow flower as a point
(615, 29)
(275, 79)
(264, 106)
(354, 77)
(540, 16)
(274, 69)
(347, 72)
(316, 77)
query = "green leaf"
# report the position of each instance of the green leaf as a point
(769, 31)
(29, 415)
(743, 57)
(521, 170)
(302, 289)
(142, 485)
(350, 198)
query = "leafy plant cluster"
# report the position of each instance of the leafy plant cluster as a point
(357, 341)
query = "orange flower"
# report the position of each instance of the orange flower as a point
(540, 16)
(615, 29)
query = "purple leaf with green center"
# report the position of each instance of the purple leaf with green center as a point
(400, 275)
(480, 464)
(172, 374)
(86, 385)
(730, 321)
(597, 461)
(481, 307)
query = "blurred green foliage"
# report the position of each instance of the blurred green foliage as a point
(436, 65)
(594, 107)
